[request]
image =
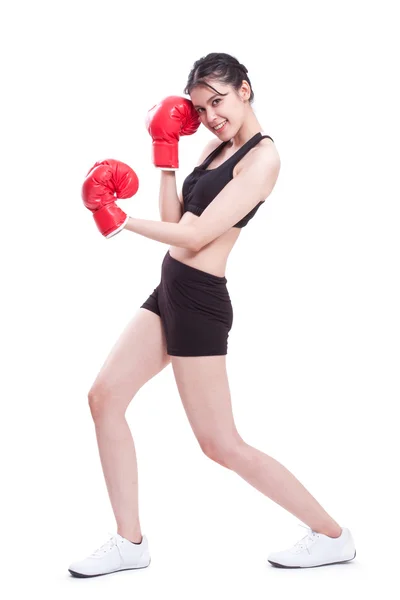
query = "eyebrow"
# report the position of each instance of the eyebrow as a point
(208, 101)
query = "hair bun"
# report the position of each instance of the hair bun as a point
(221, 67)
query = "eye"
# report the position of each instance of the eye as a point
(200, 110)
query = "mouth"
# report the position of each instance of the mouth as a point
(220, 126)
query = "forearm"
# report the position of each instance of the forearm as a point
(175, 234)
(170, 207)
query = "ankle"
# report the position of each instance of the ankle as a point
(134, 537)
(334, 532)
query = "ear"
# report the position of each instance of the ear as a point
(245, 91)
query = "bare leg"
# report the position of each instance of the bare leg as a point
(119, 464)
(139, 354)
(204, 389)
(275, 481)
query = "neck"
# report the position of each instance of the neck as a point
(249, 128)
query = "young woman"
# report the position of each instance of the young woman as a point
(187, 319)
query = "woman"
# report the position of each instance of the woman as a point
(187, 319)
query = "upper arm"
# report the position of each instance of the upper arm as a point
(252, 185)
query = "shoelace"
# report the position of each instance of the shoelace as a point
(307, 540)
(107, 547)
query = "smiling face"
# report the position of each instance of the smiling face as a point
(222, 107)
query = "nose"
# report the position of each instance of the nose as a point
(211, 116)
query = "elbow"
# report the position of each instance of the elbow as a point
(195, 242)
(199, 243)
(195, 246)
(198, 238)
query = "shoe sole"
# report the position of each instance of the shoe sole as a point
(339, 562)
(81, 575)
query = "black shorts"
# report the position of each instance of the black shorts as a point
(195, 309)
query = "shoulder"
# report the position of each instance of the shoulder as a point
(208, 148)
(263, 154)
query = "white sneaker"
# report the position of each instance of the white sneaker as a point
(117, 554)
(316, 550)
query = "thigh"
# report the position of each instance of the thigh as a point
(203, 386)
(138, 355)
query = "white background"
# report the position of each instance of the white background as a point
(314, 281)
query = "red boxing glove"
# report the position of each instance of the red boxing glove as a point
(166, 122)
(106, 181)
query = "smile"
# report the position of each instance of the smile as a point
(218, 127)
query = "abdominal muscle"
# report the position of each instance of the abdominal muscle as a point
(213, 257)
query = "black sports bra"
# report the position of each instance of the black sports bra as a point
(203, 185)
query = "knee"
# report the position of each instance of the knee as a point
(99, 400)
(222, 452)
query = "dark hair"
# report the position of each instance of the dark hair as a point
(223, 67)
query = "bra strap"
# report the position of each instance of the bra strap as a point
(240, 153)
(248, 145)
(213, 154)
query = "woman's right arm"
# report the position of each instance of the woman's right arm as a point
(170, 203)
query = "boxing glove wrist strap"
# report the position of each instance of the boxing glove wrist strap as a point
(110, 219)
(165, 155)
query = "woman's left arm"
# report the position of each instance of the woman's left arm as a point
(252, 185)
(175, 234)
